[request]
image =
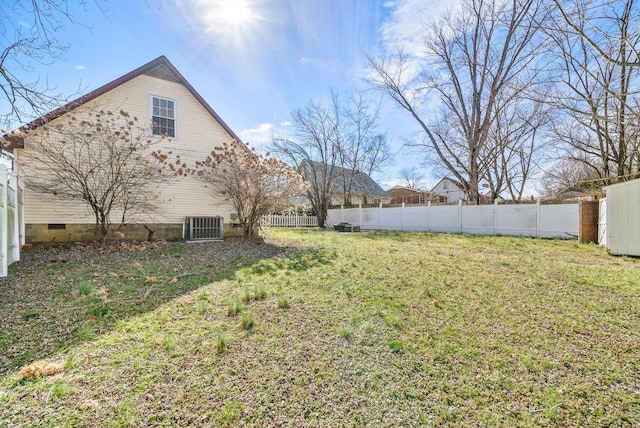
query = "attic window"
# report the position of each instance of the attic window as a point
(163, 117)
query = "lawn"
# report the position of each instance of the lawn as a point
(318, 328)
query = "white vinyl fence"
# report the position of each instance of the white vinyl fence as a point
(289, 221)
(547, 221)
(11, 219)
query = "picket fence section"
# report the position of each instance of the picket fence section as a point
(288, 221)
(11, 219)
(546, 221)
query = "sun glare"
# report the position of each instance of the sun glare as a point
(233, 26)
(235, 11)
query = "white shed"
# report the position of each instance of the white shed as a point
(623, 218)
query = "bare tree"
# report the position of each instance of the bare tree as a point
(102, 161)
(479, 59)
(28, 36)
(564, 174)
(313, 153)
(412, 177)
(599, 69)
(595, 14)
(362, 148)
(333, 143)
(515, 148)
(255, 184)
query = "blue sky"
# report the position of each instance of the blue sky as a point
(252, 60)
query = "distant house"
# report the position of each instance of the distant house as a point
(408, 195)
(573, 193)
(361, 188)
(157, 93)
(451, 190)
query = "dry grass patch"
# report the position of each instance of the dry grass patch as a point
(40, 368)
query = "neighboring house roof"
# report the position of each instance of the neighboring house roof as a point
(362, 183)
(160, 67)
(570, 191)
(407, 189)
(455, 182)
(365, 185)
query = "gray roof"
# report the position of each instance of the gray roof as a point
(362, 183)
(365, 185)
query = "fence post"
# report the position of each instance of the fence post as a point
(495, 217)
(360, 215)
(402, 217)
(4, 211)
(459, 215)
(538, 215)
(341, 213)
(15, 239)
(380, 216)
(21, 210)
(428, 216)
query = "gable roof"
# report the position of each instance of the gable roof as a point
(160, 68)
(362, 183)
(456, 183)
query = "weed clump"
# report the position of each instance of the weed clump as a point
(283, 302)
(223, 340)
(396, 346)
(234, 306)
(248, 322)
(259, 293)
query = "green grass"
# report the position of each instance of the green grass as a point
(380, 329)
(247, 321)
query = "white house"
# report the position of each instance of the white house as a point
(451, 190)
(155, 93)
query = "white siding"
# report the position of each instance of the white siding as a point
(449, 190)
(623, 218)
(197, 134)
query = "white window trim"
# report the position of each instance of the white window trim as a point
(175, 113)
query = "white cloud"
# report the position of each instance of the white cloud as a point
(304, 61)
(261, 129)
(80, 67)
(406, 25)
(286, 123)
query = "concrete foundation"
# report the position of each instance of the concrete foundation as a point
(132, 232)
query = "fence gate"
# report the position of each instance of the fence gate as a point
(203, 228)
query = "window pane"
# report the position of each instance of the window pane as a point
(163, 116)
(154, 121)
